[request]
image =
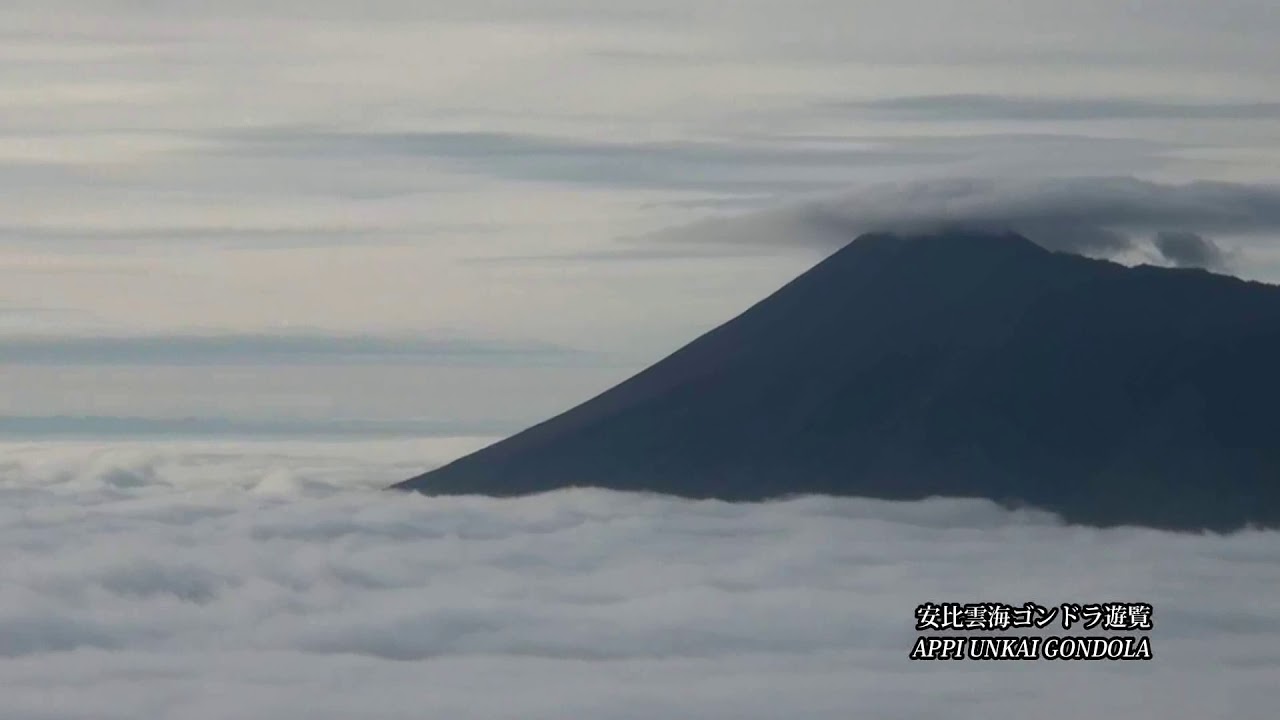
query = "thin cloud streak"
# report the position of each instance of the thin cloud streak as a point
(977, 107)
(54, 427)
(281, 348)
(675, 165)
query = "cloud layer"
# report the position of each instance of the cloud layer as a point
(173, 582)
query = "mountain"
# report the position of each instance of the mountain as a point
(962, 364)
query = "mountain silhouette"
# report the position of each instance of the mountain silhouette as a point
(963, 364)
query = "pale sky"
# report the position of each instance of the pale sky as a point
(453, 212)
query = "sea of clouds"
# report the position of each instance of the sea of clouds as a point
(275, 580)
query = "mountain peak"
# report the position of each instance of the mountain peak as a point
(959, 363)
(955, 249)
(949, 239)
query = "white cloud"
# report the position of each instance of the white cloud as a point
(193, 582)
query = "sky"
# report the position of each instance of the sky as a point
(261, 258)
(448, 217)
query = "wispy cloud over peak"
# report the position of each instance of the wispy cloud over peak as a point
(1105, 216)
(1189, 249)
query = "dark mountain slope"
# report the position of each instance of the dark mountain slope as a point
(964, 364)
